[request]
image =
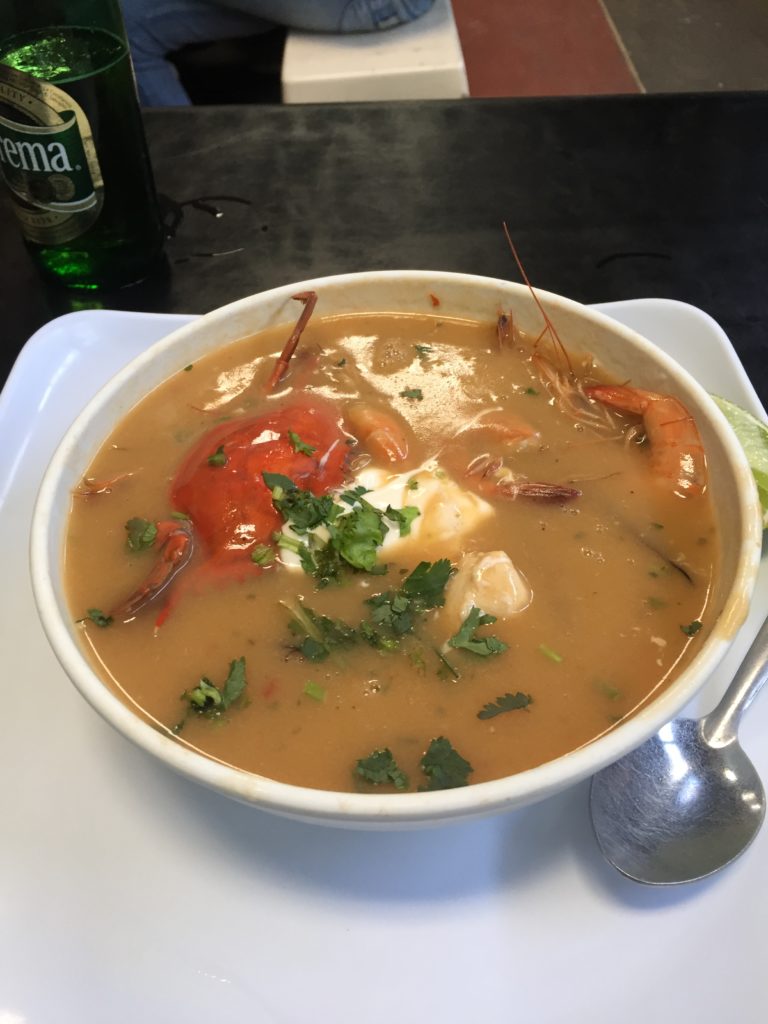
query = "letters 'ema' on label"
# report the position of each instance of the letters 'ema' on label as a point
(48, 159)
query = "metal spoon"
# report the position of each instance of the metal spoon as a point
(689, 800)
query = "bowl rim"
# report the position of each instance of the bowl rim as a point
(386, 809)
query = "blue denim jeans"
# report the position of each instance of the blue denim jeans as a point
(159, 27)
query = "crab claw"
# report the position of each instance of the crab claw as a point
(174, 539)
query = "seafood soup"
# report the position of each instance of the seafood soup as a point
(415, 553)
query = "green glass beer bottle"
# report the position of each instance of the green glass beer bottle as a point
(72, 147)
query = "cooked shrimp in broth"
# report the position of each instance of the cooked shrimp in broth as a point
(392, 553)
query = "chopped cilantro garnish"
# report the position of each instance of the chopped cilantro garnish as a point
(319, 633)
(357, 535)
(655, 603)
(468, 641)
(97, 615)
(657, 526)
(284, 541)
(403, 517)
(314, 690)
(301, 509)
(380, 768)
(531, 391)
(423, 350)
(426, 584)
(376, 638)
(549, 653)
(188, 367)
(420, 590)
(262, 554)
(446, 668)
(208, 699)
(415, 393)
(413, 484)
(444, 767)
(353, 495)
(508, 702)
(355, 532)
(180, 515)
(141, 534)
(299, 446)
(608, 690)
(218, 458)
(692, 628)
(342, 361)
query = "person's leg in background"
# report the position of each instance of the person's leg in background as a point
(157, 28)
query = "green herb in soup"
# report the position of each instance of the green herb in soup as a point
(397, 526)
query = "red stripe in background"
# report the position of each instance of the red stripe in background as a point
(540, 48)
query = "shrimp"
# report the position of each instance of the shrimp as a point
(676, 451)
(385, 436)
(495, 480)
(490, 474)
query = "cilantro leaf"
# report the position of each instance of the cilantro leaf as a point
(299, 446)
(376, 638)
(141, 533)
(692, 628)
(393, 610)
(301, 509)
(444, 767)
(508, 702)
(97, 615)
(403, 517)
(415, 393)
(203, 698)
(273, 480)
(426, 584)
(218, 458)
(234, 684)
(319, 633)
(358, 534)
(397, 610)
(209, 700)
(380, 768)
(482, 645)
(354, 494)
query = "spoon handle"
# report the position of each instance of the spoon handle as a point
(720, 727)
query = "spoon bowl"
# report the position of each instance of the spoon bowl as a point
(688, 801)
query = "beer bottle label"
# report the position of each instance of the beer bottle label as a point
(48, 159)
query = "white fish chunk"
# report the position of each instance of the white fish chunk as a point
(490, 581)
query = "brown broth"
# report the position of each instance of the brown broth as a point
(609, 596)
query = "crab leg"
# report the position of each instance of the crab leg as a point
(174, 538)
(281, 366)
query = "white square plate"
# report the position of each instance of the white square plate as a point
(127, 893)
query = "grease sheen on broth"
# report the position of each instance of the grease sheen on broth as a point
(608, 596)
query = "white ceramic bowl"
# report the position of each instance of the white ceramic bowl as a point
(621, 351)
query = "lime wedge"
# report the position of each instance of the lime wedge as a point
(753, 437)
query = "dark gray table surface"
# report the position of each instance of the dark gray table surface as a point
(606, 197)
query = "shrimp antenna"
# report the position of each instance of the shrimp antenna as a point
(309, 299)
(550, 326)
